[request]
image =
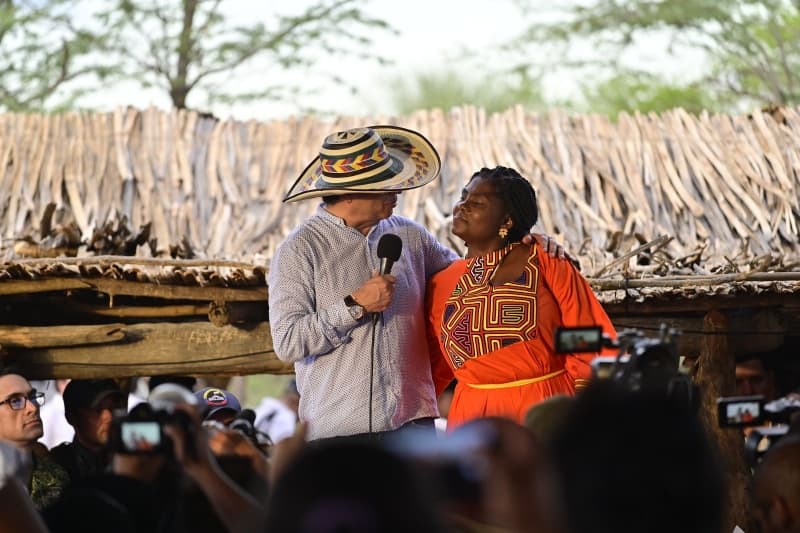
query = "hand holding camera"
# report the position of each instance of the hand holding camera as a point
(145, 429)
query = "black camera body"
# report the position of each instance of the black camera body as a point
(642, 363)
(741, 411)
(140, 431)
(766, 421)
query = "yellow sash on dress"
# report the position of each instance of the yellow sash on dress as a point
(518, 383)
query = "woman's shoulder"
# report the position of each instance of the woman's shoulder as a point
(455, 268)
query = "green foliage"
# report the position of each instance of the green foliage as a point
(260, 385)
(645, 93)
(447, 89)
(41, 52)
(751, 50)
(188, 47)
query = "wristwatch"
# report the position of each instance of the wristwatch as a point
(354, 308)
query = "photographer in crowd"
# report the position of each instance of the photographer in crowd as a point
(240, 448)
(89, 406)
(150, 472)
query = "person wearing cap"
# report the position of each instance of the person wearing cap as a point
(327, 296)
(218, 404)
(21, 426)
(89, 406)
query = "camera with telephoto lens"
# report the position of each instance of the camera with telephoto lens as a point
(766, 421)
(641, 364)
(141, 431)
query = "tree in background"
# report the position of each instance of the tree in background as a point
(642, 91)
(188, 47)
(41, 51)
(750, 49)
(447, 89)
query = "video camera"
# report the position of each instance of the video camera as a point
(142, 430)
(754, 412)
(641, 363)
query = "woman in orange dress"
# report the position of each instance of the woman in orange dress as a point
(492, 315)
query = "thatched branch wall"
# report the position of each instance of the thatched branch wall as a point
(726, 188)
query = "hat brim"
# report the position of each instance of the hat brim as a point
(415, 162)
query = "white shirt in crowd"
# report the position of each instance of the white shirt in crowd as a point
(275, 419)
(56, 427)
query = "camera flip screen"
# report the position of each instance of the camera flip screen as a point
(141, 436)
(740, 411)
(579, 340)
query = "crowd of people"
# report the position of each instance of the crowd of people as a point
(383, 351)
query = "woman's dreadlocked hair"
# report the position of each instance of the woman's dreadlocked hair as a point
(518, 197)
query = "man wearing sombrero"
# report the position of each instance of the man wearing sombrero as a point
(324, 287)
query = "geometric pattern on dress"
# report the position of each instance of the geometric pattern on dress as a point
(479, 318)
(477, 270)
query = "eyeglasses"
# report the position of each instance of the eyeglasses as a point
(18, 402)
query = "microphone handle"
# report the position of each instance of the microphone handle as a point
(386, 267)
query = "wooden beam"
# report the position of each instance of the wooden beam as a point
(178, 292)
(133, 288)
(702, 304)
(105, 260)
(40, 285)
(54, 336)
(749, 332)
(192, 348)
(678, 282)
(140, 311)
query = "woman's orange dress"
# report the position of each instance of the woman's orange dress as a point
(498, 341)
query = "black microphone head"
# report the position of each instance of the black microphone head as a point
(389, 247)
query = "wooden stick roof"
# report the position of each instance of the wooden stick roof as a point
(649, 199)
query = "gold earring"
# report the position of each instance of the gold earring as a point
(503, 232)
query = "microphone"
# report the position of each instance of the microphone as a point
(389, 248)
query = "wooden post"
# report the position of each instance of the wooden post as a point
(715, 375)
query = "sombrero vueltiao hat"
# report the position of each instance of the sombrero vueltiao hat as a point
(375, 159)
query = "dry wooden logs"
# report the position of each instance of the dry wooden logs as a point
(189, 348)
(52, 336)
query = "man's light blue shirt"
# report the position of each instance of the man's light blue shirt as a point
(322, 261)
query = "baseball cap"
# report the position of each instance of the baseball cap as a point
(89, 393)
(213, 400)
